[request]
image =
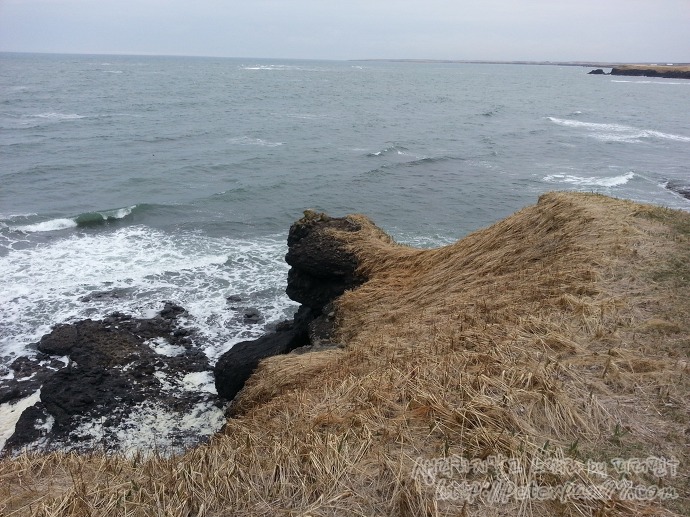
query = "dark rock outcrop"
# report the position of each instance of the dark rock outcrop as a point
(29, 375)
(598, 71)
(648, 71)
(679, 188)
(114, 365)
(236, 365)
(322, 268)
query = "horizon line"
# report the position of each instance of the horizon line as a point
(580, 62)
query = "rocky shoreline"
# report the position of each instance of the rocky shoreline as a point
(666, 72)
(97, 378)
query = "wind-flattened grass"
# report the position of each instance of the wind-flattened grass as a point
(540, 338)
(674, 266)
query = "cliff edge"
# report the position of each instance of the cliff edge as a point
(665, 71)
(535, 367)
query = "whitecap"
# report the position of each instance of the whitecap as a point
(58, 116)
(397, 149)
(614, 181)
(282, 68)
(11, 217)
(246, 140)
(120, 213)
(47, 226)
(617, 132)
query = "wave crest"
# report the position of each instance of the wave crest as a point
(82, 220)
(617, 132)
(58, 116)
(247, 140)
(614, 181)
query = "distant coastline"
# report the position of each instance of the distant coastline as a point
(670, 71)
(589, 64)
(665, 71)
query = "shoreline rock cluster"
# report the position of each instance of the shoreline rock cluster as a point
(665, 72)
(103, 371)
(112, 367)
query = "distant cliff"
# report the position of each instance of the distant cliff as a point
(667, 71)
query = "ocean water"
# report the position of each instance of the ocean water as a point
(174, 178)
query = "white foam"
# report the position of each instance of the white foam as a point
(123, 212)
(199, 381)
(10, 413)
(59, 116)
(162, 346)
(152, 425)
(47, 226)
(394, 148)
(662, 81)
(42, 286)
(246, 140)
(9, 217)
(617, 132)
(282, 68)
(614, 181)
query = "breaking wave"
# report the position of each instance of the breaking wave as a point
(614, 181)
(82, 220)
(617, 132)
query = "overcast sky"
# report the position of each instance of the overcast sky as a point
(556, 30)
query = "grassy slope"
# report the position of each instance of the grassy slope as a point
(559, 332)
(658, 68)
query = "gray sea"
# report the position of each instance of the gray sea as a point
(177, 178)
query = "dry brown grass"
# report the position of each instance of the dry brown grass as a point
(560, 332)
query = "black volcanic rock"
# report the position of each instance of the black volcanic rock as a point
(322, 268)
(664, 72)
(236, 365)
(598, 71)
(113, 368)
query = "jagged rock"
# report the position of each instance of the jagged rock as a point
(252, 316)
(598, 71)
(322, 268)
(30, 427)
(29, 375)
(236, 365)
(171, 310)
(113, 367)
(112, 294)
